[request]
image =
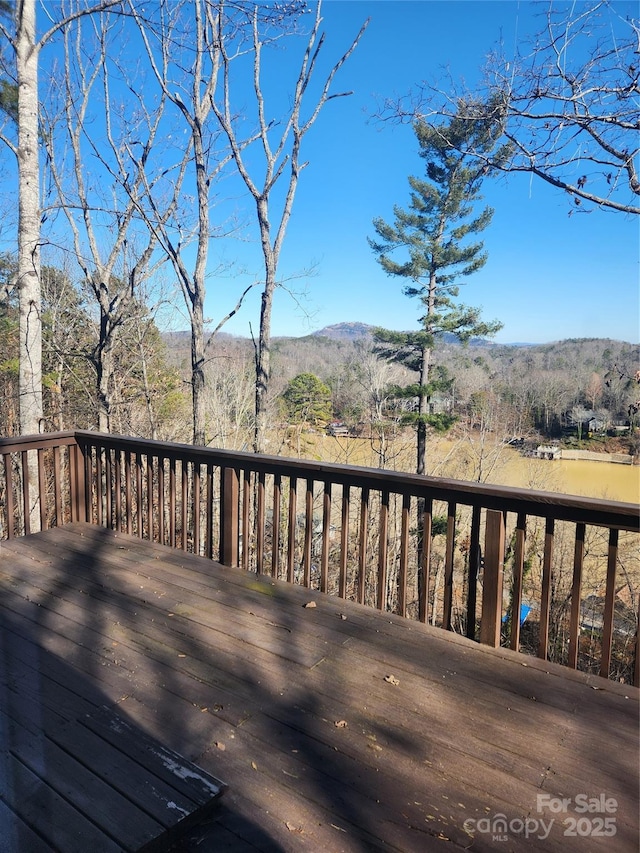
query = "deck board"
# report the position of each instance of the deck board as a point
(232, 671)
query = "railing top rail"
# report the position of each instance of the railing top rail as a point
(575, 508)
(9, 444)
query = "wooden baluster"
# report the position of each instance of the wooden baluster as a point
(172, 502)
(308, 533)
(230, 524)
(260, 513)
(326, 537)
(474, 571)
(425, 509)
(447, 604)
(10, 508)
(545, 603)
(246, 519)
(364, 543)
(403, 569)
(184, 503)
(196, 507)
(293, 510)
(576, 594)
(492, 579)
(383, 534)
(344, 541)
(118, 488)
(25, 492)
(275, 526)
(128, 496)
(609, 604)
(518, 576)
(161, 522)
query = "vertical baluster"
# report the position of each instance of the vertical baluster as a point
(42, 488)
(161, 524)
(150, 500)
(291, 549)
(308, 533)
(448, 567)
(108, 510)
(344, 541)
(383, 534)
(99, 484)
(139, 499)
(246, 519)
(545, 603)
(209, 545)
(260, 524)
(518, 575)
(576, 594)
(474, 570)
(118, 488)
(184, 502)
(25, 492)
(275, 527)
(57, 493)
(326, 537)
(10, 509)
(172, 502)
(609, 603)
(83, 468)
(636, 668)
(128, 502)
(403, 569)
(425, 508)
(196, 508)
(492, 582)
(230, 523)
(364, 543)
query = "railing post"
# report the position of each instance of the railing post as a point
(78, 482)
(492, 579)
(229, 517)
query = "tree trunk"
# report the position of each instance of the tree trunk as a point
(29, 224)
(30, 353)
(197, 369)
(263, 354)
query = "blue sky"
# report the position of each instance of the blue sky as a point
(549, 275)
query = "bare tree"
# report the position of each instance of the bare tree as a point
(568, 104)
(90, 169)
(281, 157)
(185, 58)
(27, 48)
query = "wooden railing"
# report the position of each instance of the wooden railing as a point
(553, 575)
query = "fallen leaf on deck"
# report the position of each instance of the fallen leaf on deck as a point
(342, 616)
(340, 724)
(292, 828)
(254, 765)
(391, 679)
(220, 746)
(310, 604)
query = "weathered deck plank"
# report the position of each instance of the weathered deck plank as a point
(234, 672)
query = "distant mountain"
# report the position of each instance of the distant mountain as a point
(357, 331)
(345, 331)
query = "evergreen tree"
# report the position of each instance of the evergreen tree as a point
(307, 399)
(430, 250)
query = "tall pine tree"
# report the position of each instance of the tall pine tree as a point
(428, 245)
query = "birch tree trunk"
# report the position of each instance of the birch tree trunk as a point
(27, 52)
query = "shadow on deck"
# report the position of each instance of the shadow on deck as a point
(336, 728)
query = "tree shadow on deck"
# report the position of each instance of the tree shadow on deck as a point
(289, 705)
(63, 611)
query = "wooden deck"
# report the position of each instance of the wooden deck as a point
(335, 728)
